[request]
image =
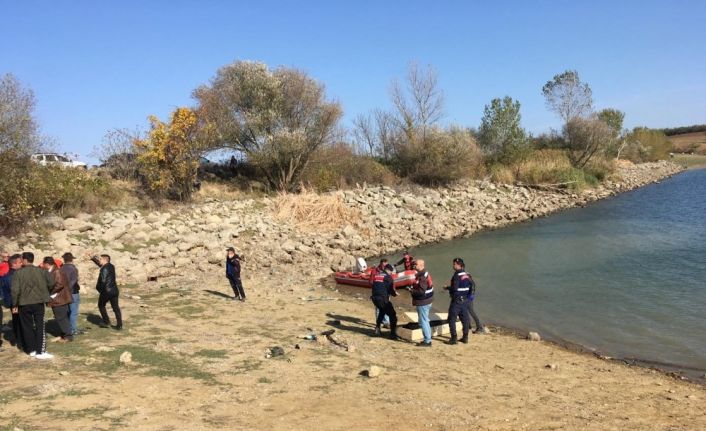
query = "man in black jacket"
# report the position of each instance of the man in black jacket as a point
(108, 291)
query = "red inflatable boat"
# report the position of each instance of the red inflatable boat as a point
(362, 279)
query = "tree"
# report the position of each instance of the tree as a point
(500, 135)
(19, 131)
(584, 138)
(117, 153)
(419, 105)
(168, 157)
(614, 119)
(567, 96)
(378, 132)
(277, 118)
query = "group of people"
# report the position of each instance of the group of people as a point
(461, 289)
(26, 289)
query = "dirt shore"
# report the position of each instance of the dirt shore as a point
(200, 360)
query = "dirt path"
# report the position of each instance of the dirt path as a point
(199, 363)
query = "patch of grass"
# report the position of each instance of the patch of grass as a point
(189, 310)
(690, 160)
(163, 364)
(78, 392)
(265, 380)
(247, 366)
(208, 353)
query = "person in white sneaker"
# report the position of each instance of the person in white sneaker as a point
(30, 291)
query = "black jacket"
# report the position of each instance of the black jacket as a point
(106, 284)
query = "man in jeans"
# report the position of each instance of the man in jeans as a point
(30, 291)
(71, 272)
(422, 297)
(60, 299)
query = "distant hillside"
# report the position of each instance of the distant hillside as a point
(689, 142)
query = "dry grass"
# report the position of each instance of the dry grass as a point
(310, 210)
(212, 190)
(689, 142)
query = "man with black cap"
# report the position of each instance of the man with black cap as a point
(233, 274)
(383, 288)
(71, 273)
(460, 291)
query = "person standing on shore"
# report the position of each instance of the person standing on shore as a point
(422, 297)
(15, 263)
(60, 299)
(459, 290)
(233, 274)
(71, 272)
(379, 269)
(383, 288)
(30, 291)
(107, 289)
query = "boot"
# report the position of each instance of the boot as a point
(452, 341)
(464, 339)
(393, 334)
(378, 332)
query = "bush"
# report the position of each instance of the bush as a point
(41, 190)
(439, 157)
(338, 167)
(645, 145)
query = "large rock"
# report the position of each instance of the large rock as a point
(77, 225)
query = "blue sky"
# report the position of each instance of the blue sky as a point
(97, 65)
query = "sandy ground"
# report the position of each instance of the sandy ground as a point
(199, 362)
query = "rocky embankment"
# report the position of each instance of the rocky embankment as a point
(155, 245)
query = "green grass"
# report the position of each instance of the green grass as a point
(690, 160)
(208, 353)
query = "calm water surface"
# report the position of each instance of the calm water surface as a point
(624, 276)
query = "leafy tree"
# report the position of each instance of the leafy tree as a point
(168, 157)
(586, 137)
(500, 135)
(614, 119)
(567, 96)
(19, 131)
(277, 118)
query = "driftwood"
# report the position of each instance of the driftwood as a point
(556, 187)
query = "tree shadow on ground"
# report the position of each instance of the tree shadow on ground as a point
(217, 293)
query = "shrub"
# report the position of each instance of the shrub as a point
(646, 145)
(338, 167)
(40, 190)
(311, 210)
(439, 157)
(168, 158)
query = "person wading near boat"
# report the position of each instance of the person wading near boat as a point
(233, 274)
(422, 296)
(108, 291)
(383, 288)
(71, 273)
(459, 290)
(60, 299)
(30, 291)
(407, 260)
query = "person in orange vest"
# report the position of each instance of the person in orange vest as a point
(407, 260)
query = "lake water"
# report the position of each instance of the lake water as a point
(624, 276)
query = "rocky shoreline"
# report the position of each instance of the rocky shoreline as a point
(156, 245)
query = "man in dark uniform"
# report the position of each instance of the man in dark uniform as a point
(460, 291)
(383, 288)
(407, 260)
